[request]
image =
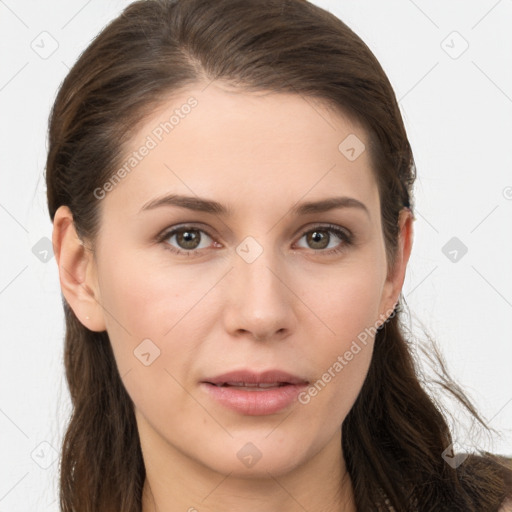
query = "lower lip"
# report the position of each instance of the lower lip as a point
(254, 403)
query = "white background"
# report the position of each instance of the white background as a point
(458, 114)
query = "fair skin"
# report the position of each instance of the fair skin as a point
(295, 307)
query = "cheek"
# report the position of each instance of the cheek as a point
(349, 307)
(146, 314)
(349, 300)
(141, 301)
(150, 311)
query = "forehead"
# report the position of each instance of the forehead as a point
(245, 149)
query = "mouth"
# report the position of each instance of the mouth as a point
(248, 379)
(247, 386)
(255, 394)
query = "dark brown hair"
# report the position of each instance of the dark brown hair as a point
(395, 433)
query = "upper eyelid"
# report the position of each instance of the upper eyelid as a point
(166, 233)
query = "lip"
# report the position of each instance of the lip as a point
(258, 399)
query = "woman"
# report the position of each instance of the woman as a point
(230, 184)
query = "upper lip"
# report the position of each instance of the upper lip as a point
(250, 377)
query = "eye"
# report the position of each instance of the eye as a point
(190, 240)
(320, 237)
(187, 238)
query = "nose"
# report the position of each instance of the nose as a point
(259, 298)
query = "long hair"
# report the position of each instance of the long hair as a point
(394, 435)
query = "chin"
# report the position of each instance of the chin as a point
(256, 459)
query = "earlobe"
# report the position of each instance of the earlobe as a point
(76, 272)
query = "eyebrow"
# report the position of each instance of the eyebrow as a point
(209, 206)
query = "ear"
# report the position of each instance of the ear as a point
(395, 278)
(77, 272)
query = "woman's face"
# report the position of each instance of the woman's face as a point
(258, 282)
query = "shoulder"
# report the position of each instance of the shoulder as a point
(497, 468)
(506, 506)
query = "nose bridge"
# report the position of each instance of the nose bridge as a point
(257, 269)
(259, 300)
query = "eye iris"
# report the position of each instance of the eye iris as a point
(314, 237)
(188, 239)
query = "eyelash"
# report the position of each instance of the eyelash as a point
(345, 236)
